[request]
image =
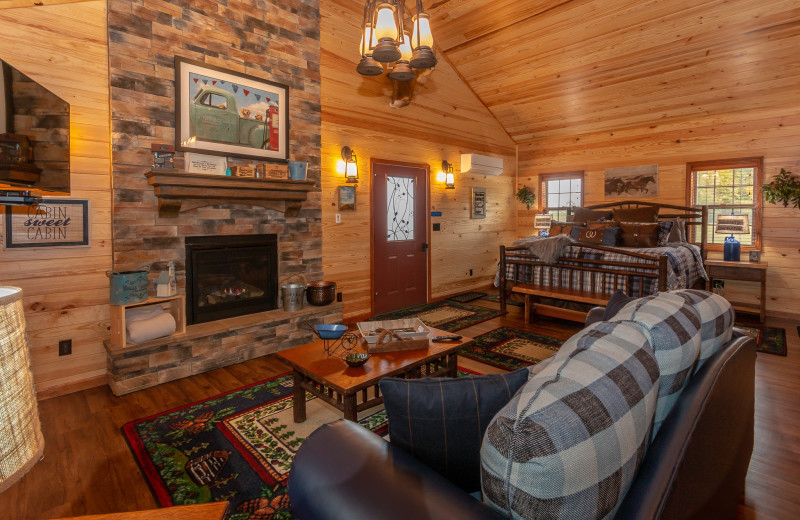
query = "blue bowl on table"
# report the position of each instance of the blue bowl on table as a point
(330, 331)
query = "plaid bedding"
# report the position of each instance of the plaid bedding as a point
(684, 268)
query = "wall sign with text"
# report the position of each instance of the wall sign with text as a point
(48, 223)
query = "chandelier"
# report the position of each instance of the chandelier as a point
(386, 45)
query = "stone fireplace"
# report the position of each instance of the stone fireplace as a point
(229, 276)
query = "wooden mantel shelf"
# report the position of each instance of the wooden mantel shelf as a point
(177, 191)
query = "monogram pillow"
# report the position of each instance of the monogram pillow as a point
(591, 235)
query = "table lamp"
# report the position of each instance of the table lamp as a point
(542, 221)
(21, 440)
(735, 225)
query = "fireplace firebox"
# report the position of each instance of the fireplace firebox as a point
(230, 276)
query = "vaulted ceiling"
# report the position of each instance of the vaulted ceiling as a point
(557, 68)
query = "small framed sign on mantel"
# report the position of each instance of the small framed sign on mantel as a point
(48, 223)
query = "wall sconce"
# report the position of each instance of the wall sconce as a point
(350, 164)
(449, 176)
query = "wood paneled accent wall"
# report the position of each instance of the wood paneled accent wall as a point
(444, 119)
(64, 48)
(691, 81)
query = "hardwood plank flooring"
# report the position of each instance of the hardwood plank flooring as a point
(88, 468)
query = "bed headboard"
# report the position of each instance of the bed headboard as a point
(693, 216)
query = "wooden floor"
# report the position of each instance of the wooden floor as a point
(88, 468)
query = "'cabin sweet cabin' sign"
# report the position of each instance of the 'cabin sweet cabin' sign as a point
(48, 223)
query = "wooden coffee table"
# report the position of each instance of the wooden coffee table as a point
(353, 390)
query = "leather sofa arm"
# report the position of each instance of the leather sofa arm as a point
(594, 315)
(345, 472)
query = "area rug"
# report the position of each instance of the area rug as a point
(495, 297)
(511, 348)
(236, 446)
(769, 340)
(445, 315)
(466, 297)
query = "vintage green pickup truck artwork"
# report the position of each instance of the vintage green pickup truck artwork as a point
(220, 112)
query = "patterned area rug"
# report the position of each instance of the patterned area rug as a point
(237, 446)
(511, 348)
(445, 315)
(770, 340)
(466, 297)
(495, 297)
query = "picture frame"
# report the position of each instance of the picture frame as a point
(631, 181)
(347, 198)
(255, 112)
(478, 202)
(48, 223)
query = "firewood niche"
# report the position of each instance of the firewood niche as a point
(178, 191)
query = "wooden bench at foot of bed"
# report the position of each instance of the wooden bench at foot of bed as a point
(562, 294)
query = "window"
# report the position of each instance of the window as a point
(560, 192)
(727, 187)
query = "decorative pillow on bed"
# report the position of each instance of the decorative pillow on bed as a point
(588, 215)
(637, 234)
(678, 232)
(602, 236)
(666, 229)
(600, 224)
(563, 228)
(643, 214)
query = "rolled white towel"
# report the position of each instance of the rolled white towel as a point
(151, 328)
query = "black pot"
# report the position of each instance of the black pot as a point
(321, 293)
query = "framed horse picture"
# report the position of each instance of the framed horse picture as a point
(631, 181)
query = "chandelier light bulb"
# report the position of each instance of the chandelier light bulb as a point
(386, 26)
(422, 32)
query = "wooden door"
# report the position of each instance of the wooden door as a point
(400, 235)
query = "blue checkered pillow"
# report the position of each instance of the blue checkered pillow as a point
(569, 443)
(673, 330)
(716, 320)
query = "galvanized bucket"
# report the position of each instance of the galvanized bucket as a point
(293, 296)
(128, 287)
(297, 170)
(293, 293)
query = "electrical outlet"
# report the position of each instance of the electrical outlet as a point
(65, 347)
(338, 218)
(437, 226)
(338, 296)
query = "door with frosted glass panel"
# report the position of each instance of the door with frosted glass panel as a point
(400, 235)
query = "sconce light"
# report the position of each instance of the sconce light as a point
(449, 176)
(350, 164)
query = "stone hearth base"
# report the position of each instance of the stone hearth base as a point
(211, 345)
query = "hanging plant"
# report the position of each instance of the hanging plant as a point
(784, 188)
(526, 196)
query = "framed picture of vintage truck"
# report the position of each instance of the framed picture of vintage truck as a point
(220, 112)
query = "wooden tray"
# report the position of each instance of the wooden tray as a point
(366, 327)
(389, 341)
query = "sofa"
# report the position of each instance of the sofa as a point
(680, 440)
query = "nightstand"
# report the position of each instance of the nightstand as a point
(745, 271)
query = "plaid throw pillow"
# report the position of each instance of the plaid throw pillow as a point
(716, 320)
(673, 329)
(569, 443)
(441, 421)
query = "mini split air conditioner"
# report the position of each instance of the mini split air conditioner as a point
(483, 164)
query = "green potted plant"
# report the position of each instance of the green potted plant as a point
(526, 196)
(784, 188)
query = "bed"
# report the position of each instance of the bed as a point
(585, 275)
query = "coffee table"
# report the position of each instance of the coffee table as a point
(353, 390)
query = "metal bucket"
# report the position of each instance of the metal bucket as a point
(297, 170)
(293, 296)
(127, 287)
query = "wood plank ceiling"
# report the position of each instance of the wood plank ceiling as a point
(555, 68)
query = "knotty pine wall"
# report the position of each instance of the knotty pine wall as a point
(771, 132)
(64, 47)
(443, 120)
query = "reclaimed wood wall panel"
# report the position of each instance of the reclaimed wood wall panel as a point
(66, 289)
(444, 119)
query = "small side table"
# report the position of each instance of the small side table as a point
(744, 271)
